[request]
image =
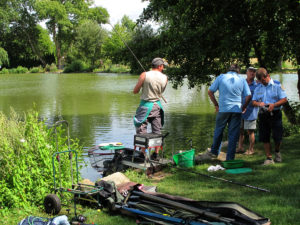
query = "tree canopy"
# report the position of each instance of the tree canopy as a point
(204, 37)
(62, 18)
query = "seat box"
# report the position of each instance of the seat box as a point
(148, 140)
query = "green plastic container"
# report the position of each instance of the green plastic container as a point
(231, 164)
(239, 170)
(111, 147)
(185, 159)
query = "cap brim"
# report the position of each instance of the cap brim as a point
(252, 68)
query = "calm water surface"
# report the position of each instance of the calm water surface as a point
(100, 107)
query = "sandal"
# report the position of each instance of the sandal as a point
(249, 152)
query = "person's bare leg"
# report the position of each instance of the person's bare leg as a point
(241, 141)
(267, 146)
(251, 141)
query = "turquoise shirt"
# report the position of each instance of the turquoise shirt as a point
(269, 94)
(231, 88)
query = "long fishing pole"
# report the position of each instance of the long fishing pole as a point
(217, 178)
(125, 43)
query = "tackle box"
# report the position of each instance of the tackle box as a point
(148, 140)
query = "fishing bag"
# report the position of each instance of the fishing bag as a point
(34, 220)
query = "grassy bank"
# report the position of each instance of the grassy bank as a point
(281, 205)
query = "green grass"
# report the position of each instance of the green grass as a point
(281, 205)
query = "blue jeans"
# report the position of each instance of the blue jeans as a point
(234, 122)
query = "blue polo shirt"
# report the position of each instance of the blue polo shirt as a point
(231, 88)
(269, 94)
(251, 112)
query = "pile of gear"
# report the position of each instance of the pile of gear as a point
(151, 207)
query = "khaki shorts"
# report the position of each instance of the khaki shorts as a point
(248, 124)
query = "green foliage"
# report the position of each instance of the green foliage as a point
(76, 66)
(44, 43)
(62, 19)
(3, 57)
(113, 46)
(291, 123)
(113, 68)
(204, 37)
(4, 71)
(27, 146)
(51, 68)
(19, 69)
(38, 69)
(146, 45)
(99, 15)
(87, 47)
(26, 42)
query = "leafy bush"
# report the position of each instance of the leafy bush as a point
(4, 71)
(76, 66)
(19, 69)
(26, 153)
(36, 70)
(119, 69)
(51, 68)
(291, 122)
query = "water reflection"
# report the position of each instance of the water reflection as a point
(100, 107)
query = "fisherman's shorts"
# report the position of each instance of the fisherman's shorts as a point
(270, 123)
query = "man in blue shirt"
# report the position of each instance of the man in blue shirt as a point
(231, 88)
(249, 117)
(269, 96)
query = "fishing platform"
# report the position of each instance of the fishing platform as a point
(113, 157)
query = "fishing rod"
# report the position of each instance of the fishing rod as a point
(125, 43)
(217, 178)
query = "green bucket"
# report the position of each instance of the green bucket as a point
(185, 159)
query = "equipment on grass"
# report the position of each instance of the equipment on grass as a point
(178, 205)
(230, 164)
(185, 159)
(160, 208)
(80, 192)
(162, 217)
(238, 170)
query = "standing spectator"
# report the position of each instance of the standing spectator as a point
(249, 117)
(229, 110)
(269, 96)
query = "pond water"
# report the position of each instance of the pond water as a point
(100, 107)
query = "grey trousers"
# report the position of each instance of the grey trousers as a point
(154, 119)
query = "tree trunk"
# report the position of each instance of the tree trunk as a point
(279, 64)
(57, 47)
(258, 53)
(298, 84)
